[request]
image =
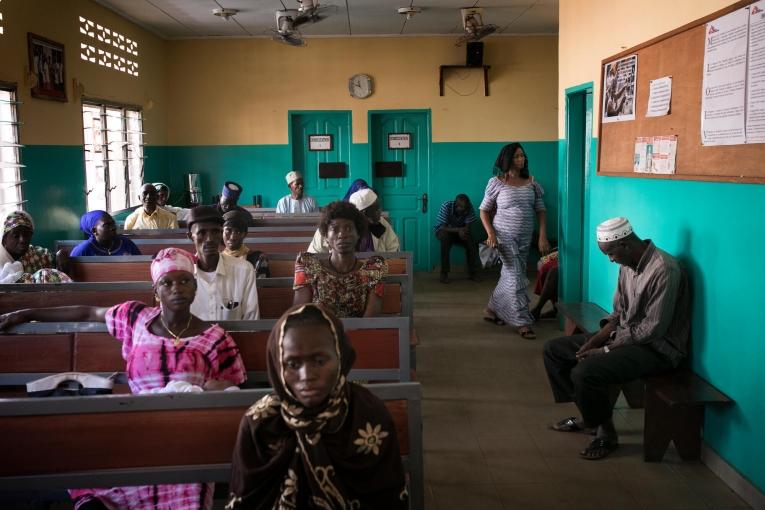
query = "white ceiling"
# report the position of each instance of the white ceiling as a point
(180, 19)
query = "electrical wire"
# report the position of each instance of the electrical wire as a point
(517, 17)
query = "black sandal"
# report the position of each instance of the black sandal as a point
(599, 448)
(570, 424)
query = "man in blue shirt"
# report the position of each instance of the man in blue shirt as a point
(452, 227)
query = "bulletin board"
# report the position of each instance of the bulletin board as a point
(679, 54)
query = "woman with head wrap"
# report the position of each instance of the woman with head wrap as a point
(355, 186)
(161, 346)
(318, 441)
(35, 263)
(103, 239)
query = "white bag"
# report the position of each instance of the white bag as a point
(489, 255)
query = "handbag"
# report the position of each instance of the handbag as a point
(489, 255)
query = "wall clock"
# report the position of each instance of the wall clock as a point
(360, 86)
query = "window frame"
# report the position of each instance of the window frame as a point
(102, 104)
(15, 121)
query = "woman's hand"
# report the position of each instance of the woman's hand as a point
(544, 245)
(216, 385)
(8, 320)
(491, 240)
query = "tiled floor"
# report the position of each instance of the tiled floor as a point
(487, 404)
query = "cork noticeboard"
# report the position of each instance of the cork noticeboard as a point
(679, 54)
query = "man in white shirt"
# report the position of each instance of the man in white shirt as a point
(225, 285)
(296, 202)
(150, 215)
(163, 195)
(380, 236)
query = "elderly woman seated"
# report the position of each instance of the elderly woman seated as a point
(22, 262)
(347, 286)
(318, 441)
(103, 239)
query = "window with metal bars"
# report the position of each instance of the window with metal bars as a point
(10, 156)
(113, 155)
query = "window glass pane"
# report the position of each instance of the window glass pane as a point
(134, 154)
(95, 175)
(115, 136)
(10, 170)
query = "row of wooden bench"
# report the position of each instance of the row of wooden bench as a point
(78, 442)
(136, 267)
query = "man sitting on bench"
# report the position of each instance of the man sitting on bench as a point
(647, 333)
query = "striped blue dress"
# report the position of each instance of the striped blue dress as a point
(516, 207)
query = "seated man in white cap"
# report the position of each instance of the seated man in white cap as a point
(380, 236)
(646, 334)
(163, 196)
(229, 197)
(296, 202)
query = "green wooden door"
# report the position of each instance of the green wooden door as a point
(337, 124)
(404, 197)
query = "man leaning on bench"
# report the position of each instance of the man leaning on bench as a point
(646, 334)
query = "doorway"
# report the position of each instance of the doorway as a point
(573, 186)
(404, 196)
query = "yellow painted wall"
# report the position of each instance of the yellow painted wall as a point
(54, 123)
(238, 91)
(591, 30)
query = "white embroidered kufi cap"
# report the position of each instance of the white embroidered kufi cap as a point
(613, 230)
(363, 198)
(292, 177)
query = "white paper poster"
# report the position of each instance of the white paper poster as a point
(724, 82)
(655, 154)
(659, 97)
(755, 93)
(619, 79)
(639, 163)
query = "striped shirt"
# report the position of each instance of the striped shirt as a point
(652, 305)
(448, 218)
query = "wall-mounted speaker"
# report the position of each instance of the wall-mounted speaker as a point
(474, 56)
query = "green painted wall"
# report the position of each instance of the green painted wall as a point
(716, 229)
(260, 169)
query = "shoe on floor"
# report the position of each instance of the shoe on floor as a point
(444, 278)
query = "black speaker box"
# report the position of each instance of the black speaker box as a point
(474, 56)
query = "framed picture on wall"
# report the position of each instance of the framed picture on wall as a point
(319, 142)
(46, 66)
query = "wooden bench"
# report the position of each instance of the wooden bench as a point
(152, 246)
(136, 267)
(674, 402)
(79, 442)
(36, 350)
(182, 233)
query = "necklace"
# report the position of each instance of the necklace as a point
(176, 338)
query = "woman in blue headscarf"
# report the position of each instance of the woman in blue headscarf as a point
(355, 186)
(102, 237)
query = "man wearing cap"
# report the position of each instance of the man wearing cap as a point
(296, 202)
(225, 285)
(647, 333)
(228, 200)
(380, 236)
(150, 215)
(163, 195)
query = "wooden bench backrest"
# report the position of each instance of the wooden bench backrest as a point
(152, 246)
(381, 344)
(112, 440)
(136, 268)
(183, 233)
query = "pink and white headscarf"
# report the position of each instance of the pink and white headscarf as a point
(171, 259)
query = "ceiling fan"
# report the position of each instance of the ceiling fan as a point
(288, 21)
(473, 25)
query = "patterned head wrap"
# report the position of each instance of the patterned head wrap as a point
(171, 259)
(613, 230)
(18, 219)
(89, 220)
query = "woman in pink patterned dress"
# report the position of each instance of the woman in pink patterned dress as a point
(347, 286)
(160, 345)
